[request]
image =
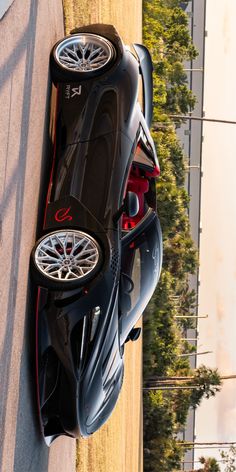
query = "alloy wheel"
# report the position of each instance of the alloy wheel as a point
(67, 255)
(84, 52)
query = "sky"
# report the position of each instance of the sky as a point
(216, 418)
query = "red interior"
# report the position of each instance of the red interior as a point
(154, 173)
(139, 185)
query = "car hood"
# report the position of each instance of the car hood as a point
(102, 376)
(89, 370)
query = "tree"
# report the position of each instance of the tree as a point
(210, 464)
(229, 459)
(180, 254)
(186, 303)
(163, 455)
(203, 382)
(209, 383)
(179, 99)
(167, 36)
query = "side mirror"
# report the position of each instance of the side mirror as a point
(130, 207)
(134, 334)
(131, 204)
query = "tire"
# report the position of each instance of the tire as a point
(65, 259)
(80, 57)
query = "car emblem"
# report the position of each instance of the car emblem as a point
(63, 214)
(71, 92)
(76, 91)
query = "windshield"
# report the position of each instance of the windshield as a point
(140, 272)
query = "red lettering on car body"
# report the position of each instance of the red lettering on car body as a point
(63, 214)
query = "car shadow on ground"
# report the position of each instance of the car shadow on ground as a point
(46, 164)
(31, 453)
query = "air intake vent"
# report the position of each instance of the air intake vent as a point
(114, 262)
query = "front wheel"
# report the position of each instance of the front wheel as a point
(81, 56)
(65, 259)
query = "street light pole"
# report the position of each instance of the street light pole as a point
(195, 353)
(189, 339)
(190, 316)
(202, 118)
(193, 167)
(194, 70)
(164, 124)
(172, 387)
(206, 444)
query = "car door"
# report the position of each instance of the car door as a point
(140, 270)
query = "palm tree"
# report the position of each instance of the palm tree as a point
(210, 464)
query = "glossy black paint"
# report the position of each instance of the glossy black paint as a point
(146, 69)
(95, 133)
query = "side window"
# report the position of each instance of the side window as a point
(145, 157)
(142, 157)
(144, 153)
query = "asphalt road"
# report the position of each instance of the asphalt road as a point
(27, 31)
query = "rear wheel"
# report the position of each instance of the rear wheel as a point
(65, 259)
(81, 56)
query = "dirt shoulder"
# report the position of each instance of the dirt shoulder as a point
(118, 446)
(125, 15)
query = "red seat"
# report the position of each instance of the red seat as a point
(138, 185)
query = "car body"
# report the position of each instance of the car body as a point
(99, 256)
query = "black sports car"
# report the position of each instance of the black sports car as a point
(99, 258)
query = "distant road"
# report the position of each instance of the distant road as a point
(27, 32)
